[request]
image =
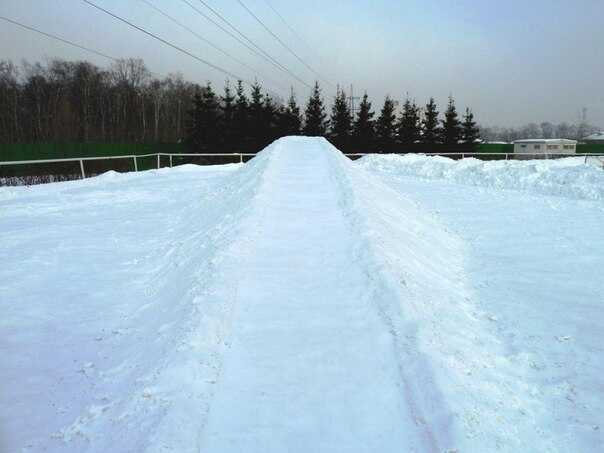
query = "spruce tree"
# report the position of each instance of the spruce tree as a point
(194, 134)
(203, 127)
(470, 132)
(290, 120)
(257, 129)
(227, 118)
(315, 116)
(364, 128)
(451, 131)
(385, 128)
(241, 139)
(409, 125)
(341, 122)
(269, 122)
(430, 129)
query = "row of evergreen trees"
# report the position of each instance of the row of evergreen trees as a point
(235, 123)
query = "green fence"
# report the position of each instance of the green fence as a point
(495, 148)
(71, 170)
(590, 149)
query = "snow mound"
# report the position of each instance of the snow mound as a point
(569, 177)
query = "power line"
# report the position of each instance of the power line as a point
(280, 41)
(57, 38)
(262, 51)
(209, 19)
(292, 29)
(174, 46)
(294, 32)
(228, 32)
(208, 42)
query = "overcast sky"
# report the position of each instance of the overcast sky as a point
(512, 61)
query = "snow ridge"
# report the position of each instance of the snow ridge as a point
(165, 406)
(464, 392)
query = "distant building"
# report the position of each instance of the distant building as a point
(595, 139)
(545, 146)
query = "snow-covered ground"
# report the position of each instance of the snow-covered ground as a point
(303, 302)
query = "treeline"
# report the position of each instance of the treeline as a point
(64, 101)
(234, 121)
(577, 131)
(77, 101)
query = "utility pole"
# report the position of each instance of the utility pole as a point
(352, 98)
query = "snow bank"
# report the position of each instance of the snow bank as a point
(568, 177)
(109, 284)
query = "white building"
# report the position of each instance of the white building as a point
(545, 146)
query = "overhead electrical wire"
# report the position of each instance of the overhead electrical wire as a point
(208, 42)
(259, 49)
(58, 38)
(209, 19)
(291, 28)
(280, 41)
(280, 16)
(168, 43)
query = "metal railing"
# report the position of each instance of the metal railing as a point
(135, 158)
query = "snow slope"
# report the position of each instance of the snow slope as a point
(300, 302)
(535, 263)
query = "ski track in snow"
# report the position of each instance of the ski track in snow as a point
(300, 302)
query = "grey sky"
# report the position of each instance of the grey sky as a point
(513, 62)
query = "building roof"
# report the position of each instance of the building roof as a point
(551, 141)
(597, 137)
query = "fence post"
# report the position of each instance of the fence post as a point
(158, 161)
(135, 163)
(170, 160)
(82, 169)
(240, 158)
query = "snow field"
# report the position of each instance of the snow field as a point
(303, 302)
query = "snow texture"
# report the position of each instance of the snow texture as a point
(303, 302)
(568, 177)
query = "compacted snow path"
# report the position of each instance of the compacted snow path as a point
(310, 366)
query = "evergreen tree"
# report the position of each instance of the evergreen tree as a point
(409, 125)
(341, 122)
(315, 116)
(290, 120)
(385, 128)
(203, 123)
(451, 131)
(194, 135)
(364, 128)
(269, 122)
(241, 139)
(257, 129)
(430, 129)
(470, 132)
(227, 118)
